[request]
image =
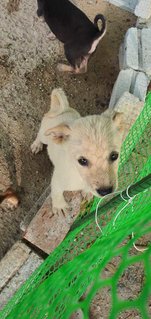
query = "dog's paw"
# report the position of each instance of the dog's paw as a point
(51, 36)
(64, 68)
(60, 67)
(61, 207)
(41, 18)
(36, 147)
(62, 211)
(64, 214)
(87, 196)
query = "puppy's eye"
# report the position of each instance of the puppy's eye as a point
(113, 156)
(83, 161)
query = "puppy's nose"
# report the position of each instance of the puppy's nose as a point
(104, 191)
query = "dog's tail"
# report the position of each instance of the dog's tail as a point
(102, 18)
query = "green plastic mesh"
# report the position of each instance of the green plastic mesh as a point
(89, 263)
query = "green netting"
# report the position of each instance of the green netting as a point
(73, 275)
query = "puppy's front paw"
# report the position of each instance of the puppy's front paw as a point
(60, 67)
(51, 36)
(62, 211)
(87, 196)
(61, 207)
(64, 68)
(41, 18)
(36, 147)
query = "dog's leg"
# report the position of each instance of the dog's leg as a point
(58, 201)
(36, 146)
(87, 196)
(42, 19)
(83, 66)
(77, 70)
(51, 36)
(40, 9)
(65, 68)
(68, 68)
(81, 70)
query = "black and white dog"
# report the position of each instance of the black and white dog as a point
(72, 27)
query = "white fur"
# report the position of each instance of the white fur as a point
(68, 137)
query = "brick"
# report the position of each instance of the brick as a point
(47, 230)
(12, 261)
(128, 5)
(128, 54)
(143, 9)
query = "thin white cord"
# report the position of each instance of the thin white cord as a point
(128, 193)
(138, 249)
(134, 245)
(129, 202)
(96, 211)
(125, 200)
(96, 215)
(116, 217)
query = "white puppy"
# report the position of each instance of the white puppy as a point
(83, 150)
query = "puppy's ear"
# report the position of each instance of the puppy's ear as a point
(59, 101)
(59, 134)
(118, 119)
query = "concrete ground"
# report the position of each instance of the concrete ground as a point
(28, 73)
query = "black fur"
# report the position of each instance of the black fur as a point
(71, 26)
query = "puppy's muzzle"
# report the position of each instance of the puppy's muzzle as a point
(104, 191)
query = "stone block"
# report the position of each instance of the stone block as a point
(128, 54)
(146, 50)
(135, 52)
(19, 276)
(131, 107)
(128, 5)
(130, 81)
(140, 86)
(143, 23)
(12, 261)
(143, 9)
(122, 84)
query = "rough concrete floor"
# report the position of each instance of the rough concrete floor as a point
(27, 75)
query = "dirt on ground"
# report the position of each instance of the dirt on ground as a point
(28, 73)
